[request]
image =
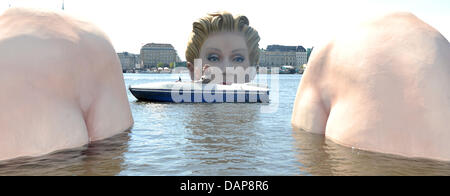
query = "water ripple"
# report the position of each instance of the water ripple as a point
(217, 139)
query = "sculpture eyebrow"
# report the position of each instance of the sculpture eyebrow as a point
(233, 51)
(237, 50)
(217, 50)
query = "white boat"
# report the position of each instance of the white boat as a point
(197, 92)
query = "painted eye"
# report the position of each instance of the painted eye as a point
(238, 59)
(213, 58)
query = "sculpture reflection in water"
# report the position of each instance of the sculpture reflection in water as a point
(222, 138)
(105, 157)
(320, 156)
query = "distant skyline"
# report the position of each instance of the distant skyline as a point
(133, 23)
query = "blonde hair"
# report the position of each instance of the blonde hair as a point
(222, 22)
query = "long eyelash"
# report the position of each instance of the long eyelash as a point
(213, 56)
(241, 57)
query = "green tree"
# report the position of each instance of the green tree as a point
(160, 64)
(171, 65)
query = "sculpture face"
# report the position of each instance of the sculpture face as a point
(225, 50)
(61, 84)
(382, 86)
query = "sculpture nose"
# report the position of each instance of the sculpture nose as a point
(227, 65)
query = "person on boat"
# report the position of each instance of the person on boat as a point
(223, 42)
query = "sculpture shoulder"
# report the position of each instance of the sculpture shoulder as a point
(51, 39)
(45, 24)
(398, 20)
(402, 27)
(399, 35)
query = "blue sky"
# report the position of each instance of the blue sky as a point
(132, 23)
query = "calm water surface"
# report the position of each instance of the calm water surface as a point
(217, 139)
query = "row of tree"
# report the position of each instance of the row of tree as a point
(171, 65)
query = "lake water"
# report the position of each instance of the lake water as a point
(217, 139)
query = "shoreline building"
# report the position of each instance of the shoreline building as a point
(129, 61)
(279, 55)
(153, 54)
(309, 51)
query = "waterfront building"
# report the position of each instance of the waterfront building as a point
(129, 61)
(153, 54)
(308, 52)
(279, 55)
(181, 64)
